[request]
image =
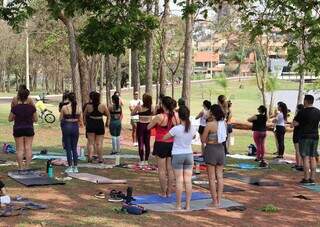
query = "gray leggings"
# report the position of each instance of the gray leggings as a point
(182, 161)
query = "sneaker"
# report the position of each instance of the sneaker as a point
(304, 181)
(145, 163)
(116, 196)
(69, 170)
(135, 144)
(141, 163)
(311, 181)
(113, 153)
(75, 169)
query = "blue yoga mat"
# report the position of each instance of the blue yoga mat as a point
(243, 166)
(154, 198)
(315, 188)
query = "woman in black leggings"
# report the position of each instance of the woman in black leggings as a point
(280, 122)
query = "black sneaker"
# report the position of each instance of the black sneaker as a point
(304, 181)
(311, 181)
(113, 153)
(116, 196)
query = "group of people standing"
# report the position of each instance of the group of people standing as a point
(305, 134)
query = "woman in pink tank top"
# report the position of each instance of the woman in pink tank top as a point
(163, 122)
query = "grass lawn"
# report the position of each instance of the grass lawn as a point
(74, 205)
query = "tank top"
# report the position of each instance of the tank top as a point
(203, 118)
(145, 113)
(161, 131)
(260, 124)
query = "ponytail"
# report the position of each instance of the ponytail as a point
(184, 115)
(72, 98)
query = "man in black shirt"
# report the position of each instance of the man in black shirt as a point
(308, 121)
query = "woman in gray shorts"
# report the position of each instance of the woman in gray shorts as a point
(214, 155)
(182, 157)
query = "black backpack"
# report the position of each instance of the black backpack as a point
(252, 150)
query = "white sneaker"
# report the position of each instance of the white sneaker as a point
(141, 163)
(135, 144)
(75, 169)
(145, 163)
(69, 170)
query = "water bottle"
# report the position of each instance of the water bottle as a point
(117, 159)
(197, 170)
(81, 152)
(49, 169)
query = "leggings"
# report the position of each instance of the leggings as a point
(143, 136)
(280, 132)
(259, 139)
(70, 134)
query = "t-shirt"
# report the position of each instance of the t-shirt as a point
(133, 103)
(182, 140)
(204, 117)
(23, 116)
(280, 120)
(259, 125)
(308, 119)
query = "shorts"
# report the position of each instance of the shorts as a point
(115, 128)
(162, 149)
(308, 147)
(214, 154)
(23, 132)
(95, 126)
(201, 129)
(182, 161)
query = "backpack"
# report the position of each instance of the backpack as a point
(252, 150)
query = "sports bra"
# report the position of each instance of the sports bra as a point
(213, 137)
(145, 113)
(161, 131)
(115, 114)
(95, 113)
(71, 116)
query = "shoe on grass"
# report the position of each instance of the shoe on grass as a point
(304, 181)
(312, 181)
(69, 170)
(75, 169)
(116, 196)
(113, 153)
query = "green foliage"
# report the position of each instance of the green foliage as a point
(272, 83)
(269, 208)
(222, 81)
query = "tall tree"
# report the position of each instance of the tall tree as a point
(149, 55)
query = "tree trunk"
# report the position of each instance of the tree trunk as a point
(271, 103)
(135, 70)
(108, 75)
(84, 76)
(8, 81)
(163, 47)
(74, 58)
(103, 63)
(187, 67)
(149, 57)
(118, 74)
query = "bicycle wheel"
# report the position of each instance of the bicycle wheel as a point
(49, 118)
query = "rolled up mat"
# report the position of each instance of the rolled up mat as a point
(226, 188)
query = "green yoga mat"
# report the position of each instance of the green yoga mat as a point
(315, 188)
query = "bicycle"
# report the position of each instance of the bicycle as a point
(45, 114)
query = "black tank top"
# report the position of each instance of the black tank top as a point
(260, 124)
(145, 113)
(115, 113)
(95, 112)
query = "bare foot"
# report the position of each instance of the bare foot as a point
(164, 195)
(187, 208)
(178, 207)
(213, 204)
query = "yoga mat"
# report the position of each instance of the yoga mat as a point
(154, 198)
(282, 161)
(128, 156)
(33, 178)
(95, 178)
(48, 157)
(202, 204)
(251, 180)
(241, 156)
(315, 188)
(226, 188)
(244, 166)
(95, 166)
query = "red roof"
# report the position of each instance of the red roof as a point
(205, 56)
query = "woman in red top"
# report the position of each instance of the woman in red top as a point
(163, 122)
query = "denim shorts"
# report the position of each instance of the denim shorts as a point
(182, 161)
